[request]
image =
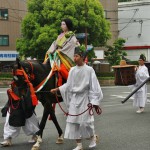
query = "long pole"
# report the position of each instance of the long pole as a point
(86, 14)
(85, 25)
(135, 90)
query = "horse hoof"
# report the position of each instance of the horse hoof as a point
(60, 140)
(39, 139)
(35, 148)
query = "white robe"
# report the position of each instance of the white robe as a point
(140, 97)
(30, 128)
(82, 88)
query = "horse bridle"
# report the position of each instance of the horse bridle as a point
(27, 79)
(22, 71)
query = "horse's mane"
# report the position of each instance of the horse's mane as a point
(38, 67)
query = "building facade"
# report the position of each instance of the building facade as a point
(11, 15)
(111, 14)
(134, 23)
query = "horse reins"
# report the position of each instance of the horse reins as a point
(90, 108)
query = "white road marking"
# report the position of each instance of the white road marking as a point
(110, 87)
(120, 96)
(112, 105)
(3, 92)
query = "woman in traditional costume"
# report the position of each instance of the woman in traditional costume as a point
(63, 47)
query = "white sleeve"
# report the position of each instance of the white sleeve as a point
(142, 76)
(64, 90)
(95, 92)
(52, 48)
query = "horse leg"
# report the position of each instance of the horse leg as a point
(43, 121)
(36, 146)
(60, 132)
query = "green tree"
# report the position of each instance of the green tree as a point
(41, 25)
(114, 53)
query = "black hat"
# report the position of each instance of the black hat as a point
(69, 23)
(79, 50)
(142, 56)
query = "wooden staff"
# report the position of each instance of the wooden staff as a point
(135, 90)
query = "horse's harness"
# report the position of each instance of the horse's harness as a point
(27, 78)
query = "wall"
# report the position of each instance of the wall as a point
(12, 26)
(134, 26)
(111, 13)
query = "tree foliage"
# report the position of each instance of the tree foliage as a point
(41, 25)
(114, 53)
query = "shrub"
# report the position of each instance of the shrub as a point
(4, 75)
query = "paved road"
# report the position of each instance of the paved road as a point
(119, 127)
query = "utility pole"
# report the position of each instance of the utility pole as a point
(86, 15)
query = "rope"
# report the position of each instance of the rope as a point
(90, 108)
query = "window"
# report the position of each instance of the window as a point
(4, 14)
(4, 40)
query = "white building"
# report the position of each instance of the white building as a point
(134, 27)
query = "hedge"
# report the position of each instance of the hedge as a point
(102, 76)
(4, 75)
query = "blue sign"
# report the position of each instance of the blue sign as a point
(7, 56)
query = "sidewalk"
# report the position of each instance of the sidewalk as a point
(5, 82)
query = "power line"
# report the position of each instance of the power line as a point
(116, 10)
(130, 20)
(133, 21)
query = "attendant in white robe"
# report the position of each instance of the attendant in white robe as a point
(82, 88)
(140, 97)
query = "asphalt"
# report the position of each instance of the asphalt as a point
(119, 126)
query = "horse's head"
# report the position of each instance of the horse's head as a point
(18, 76)
(30, 70)
(22, 72)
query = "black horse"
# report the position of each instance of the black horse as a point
(37, 73)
